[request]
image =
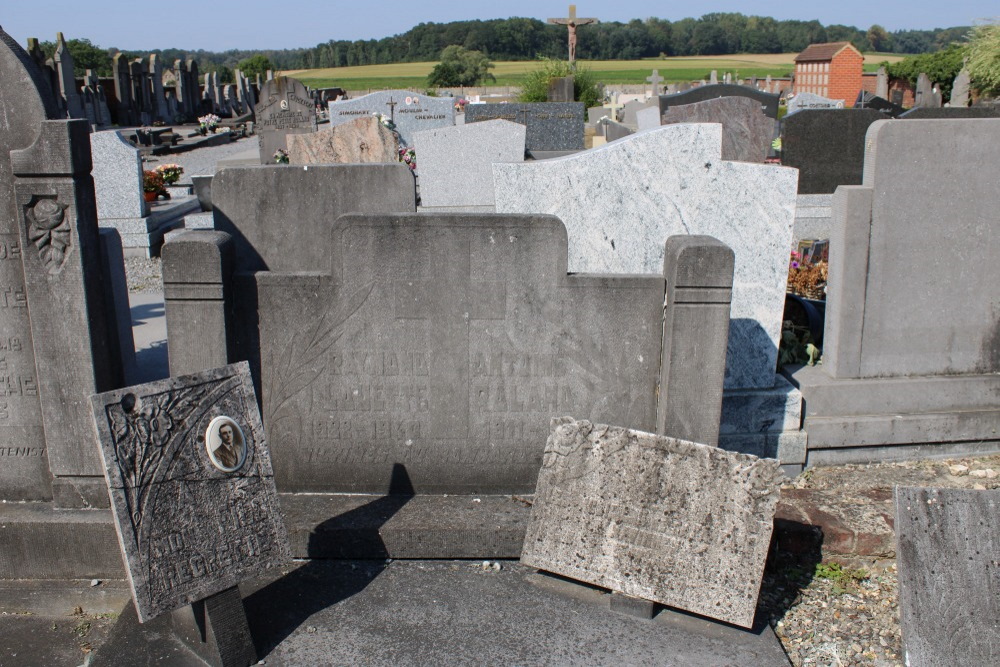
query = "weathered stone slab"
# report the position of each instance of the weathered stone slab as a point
(550, 126)
(455, 163)
(801, 101)
(671, 180)
(358, 141)
(647, 118)
(434, 353)
(949, 575)
(827, 146)
(284, 108)
(192, 489)
(746, 132)
(768, 102)
(614, 130)
(627, 510)
(951, 113)
(117, 177)
(277, 220)
(409, 111)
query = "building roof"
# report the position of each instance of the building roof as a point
(826, 51)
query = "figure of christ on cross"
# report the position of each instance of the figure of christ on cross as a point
(571, 22)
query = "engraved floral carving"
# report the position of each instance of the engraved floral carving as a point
(49, 230)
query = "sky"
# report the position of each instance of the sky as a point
(219, 25)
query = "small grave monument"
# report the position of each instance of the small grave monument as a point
(409, 111)
(284, 108)
(626, 510)
(193, 498)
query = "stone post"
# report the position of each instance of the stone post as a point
(197, 270)
(123, 89)
(67, 81)
(699, 280)
(160, 111)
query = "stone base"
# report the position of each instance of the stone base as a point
(142, 237)
(764, 422)
(813, 217)
(882, 419)
(462, 613)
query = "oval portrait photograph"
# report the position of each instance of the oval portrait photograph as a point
(227, 448)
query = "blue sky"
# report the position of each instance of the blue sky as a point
(217, 25)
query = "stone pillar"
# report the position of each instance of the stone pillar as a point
(57, 214)
(699, 280)
(183, 91)
(123, 89)
(67, 81)
(197, 270)
(882, 83)
(140, 93)
(194, 85)
(159, 105)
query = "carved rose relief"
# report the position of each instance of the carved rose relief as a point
(49, 230)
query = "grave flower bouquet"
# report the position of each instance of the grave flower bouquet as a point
(152, 182)
(171, 173)
(280, 156)
(807, 279)
(409, 156)
(460, 105)
(382, 118)
(208, 123)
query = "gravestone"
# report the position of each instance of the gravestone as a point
(671, 180)
(127, 114)
(409, 111)
(894, 267)
(647, 118)
(255, 205)
(960, 89)
(159, 99)
(561, 89)
(746, 132)
(550, 126)
(117, 181)
(882, 83)
(614, 131)
(924, 95)
(768, 103)
(827, 146)
(67, 82)
(595, 114)
(654, 80)
(714, 78)
(455, 163)
(284, 108)
(50, 268)
(866, 100)
(625, 510)
(808, 100)
(358, 141)
(947, 546)
(633, 107)
(951, 113)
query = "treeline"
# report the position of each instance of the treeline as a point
(527, 39)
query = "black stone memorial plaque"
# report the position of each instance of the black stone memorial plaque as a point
(551, 126)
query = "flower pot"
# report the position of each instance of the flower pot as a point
(149, 196)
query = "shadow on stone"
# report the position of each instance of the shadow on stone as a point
(278, 609)
(796, 550)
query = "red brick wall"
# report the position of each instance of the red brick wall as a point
(845, 76)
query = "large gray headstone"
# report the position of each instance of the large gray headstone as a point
(117, 177)
(947, 547)
(455, 163)
(827, 146)
(768, 102)
(746, 132)
(551, 126)
(284, 108)
(627, 510)
(672, 180)
(960, 89)
(438, 347)
(192, 488)
(409, 111)
(278, 220)
(914, 273)
(802, 101)
(924, 95)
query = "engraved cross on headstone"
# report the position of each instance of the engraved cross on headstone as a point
(656, 80)
(451, 301)
(524, 116)
(392, 109)
(571, 22)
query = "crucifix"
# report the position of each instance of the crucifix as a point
(656, 80)
(392, 109)
(571, 22)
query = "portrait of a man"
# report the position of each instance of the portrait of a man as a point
(225, 444)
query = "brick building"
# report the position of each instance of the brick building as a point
(832, 70)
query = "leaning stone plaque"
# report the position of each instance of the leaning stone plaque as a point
(667, 520)
(284, 108)
(191, 486)
(948, 550)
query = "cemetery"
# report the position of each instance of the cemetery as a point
(706, 374)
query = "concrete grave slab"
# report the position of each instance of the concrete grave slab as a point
(455, 163)
(949, 575)
(627, 510)
(671, 180)
(409, 111)
(195, 509)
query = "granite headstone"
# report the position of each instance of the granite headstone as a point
(284, 108)
(746, 132)
(924, 95)
(672, 180)
(117, 178)
(410, 112)
(550, 126)
(455, 163)
(960, 89)
(652, 517)
(768, 102)
(647, 118)
(827, 146)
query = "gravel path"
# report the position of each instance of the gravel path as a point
(201, 160)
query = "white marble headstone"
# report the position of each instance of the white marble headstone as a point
(671, 180)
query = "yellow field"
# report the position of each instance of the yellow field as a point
(509, 69)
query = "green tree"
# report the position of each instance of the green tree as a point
(941, 67)
(984, 58)
(254, 65)
(878, 38)
(85, 56)
(460, 67)
(535, 87)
